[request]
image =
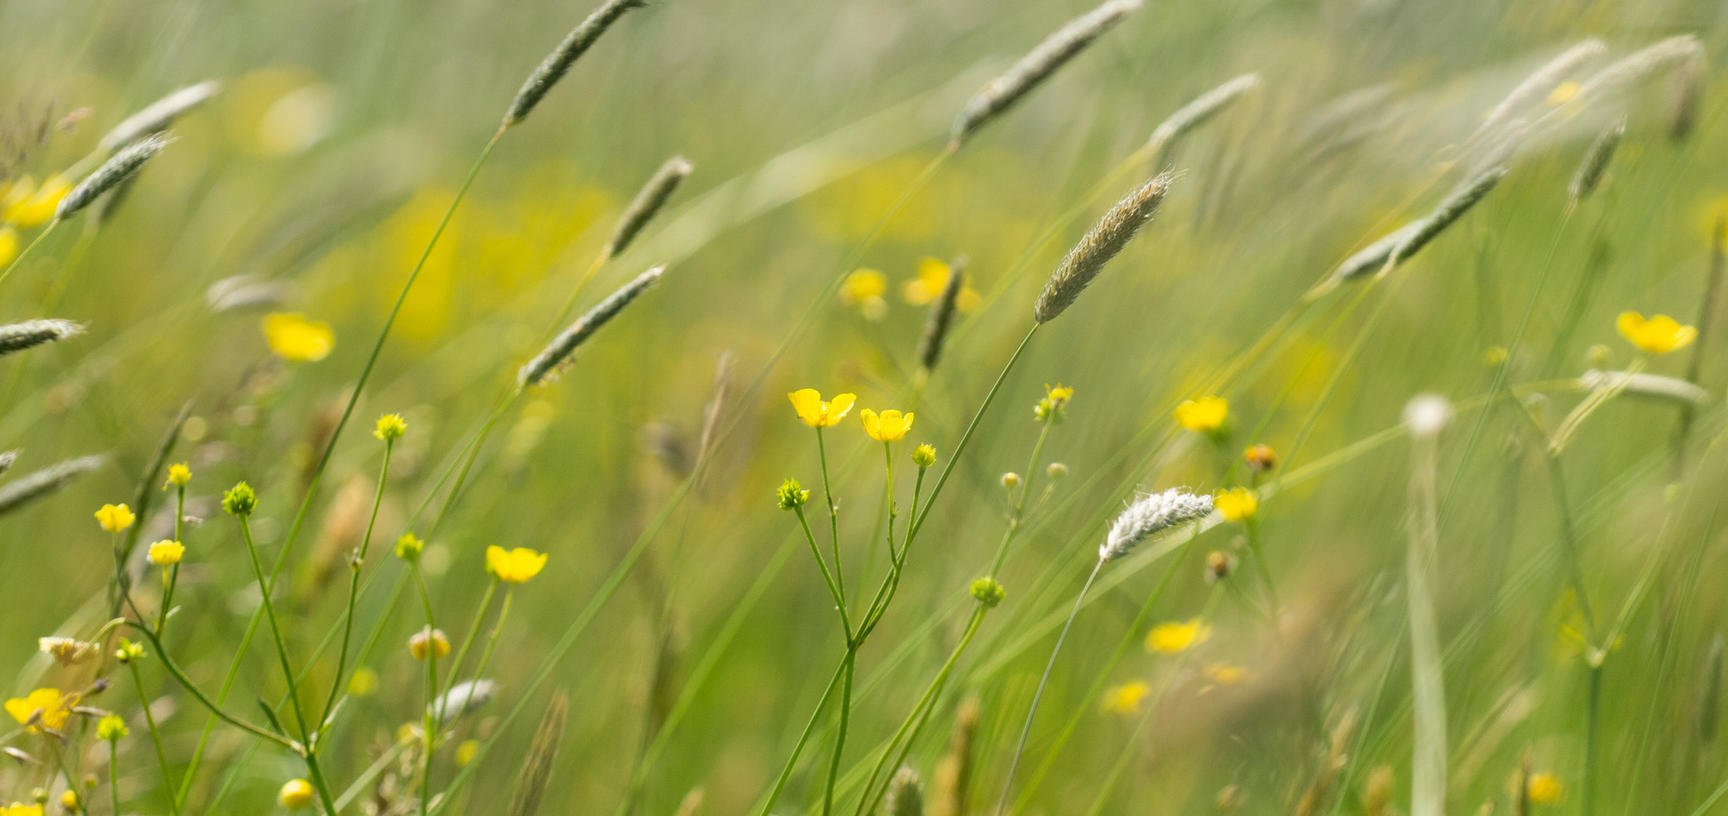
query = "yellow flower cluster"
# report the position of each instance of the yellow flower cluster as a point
(887, 426)
(42, 708)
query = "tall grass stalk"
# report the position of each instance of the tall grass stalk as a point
(1425, 417)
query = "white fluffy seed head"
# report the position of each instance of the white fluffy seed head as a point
(1426, 414)
(1149, 515)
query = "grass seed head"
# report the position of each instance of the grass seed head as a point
(648, 201)
(558, 63)
(1099, 246)
(123, 165)
(562, 346)
(941, 317)
(32, 486)
(157, 116)
(1149, 515)
(17, 337)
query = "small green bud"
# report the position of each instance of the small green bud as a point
(129, 651)
(988, 592)
(924, 455)
(792, 495)
(240, 500)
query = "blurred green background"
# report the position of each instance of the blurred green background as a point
(342, 129)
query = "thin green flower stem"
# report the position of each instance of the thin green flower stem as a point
(893, 510)
(306, 734)
(1569, 545)
(474, 632)
(155, 740)
(1026, 729)
(915, 721)
(1020, 501)
(1599, 397)
(65, 771)
(885, 593)
(1592, 723)
(847, 665)
(827, 577)
(798, 747)
(492, 639)
(215, 711)
(1251, 526)
(114, 775)
(171, 576)
(833, 517)
(354, 569)
(428, 725)
(28, 248)
(330, 447)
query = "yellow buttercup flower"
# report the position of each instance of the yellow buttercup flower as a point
(428, 641)
(111, 727)
(295, 795)
(178, 475)
(818, 413)
(115, 517)
(1545, 789)
(166, 552)
(1206, 414)
(298, 339)
(20, 810)
(8, 251)
(1658, 335)
(864, 290)
(391, 427)
(888, 426)
(49, 706)
(1236, 504)
(69, 801)
(514, 566)
(1126, 698)
(932, 278)
(1169, 638)
(467, 751)
(27, 205)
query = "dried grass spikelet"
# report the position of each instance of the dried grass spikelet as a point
(1149, 515)
(1595, 163)
(16, 337)
(647, 202)
(1196, 113)
(32, 486)
(565, 55)
(1659, 58)
(905, 794)
(536, 770)
(1686, 96)
(941, 317)
(716, 406)
(566, 342)
(1446, 214)
(1535, 87)
(1001, 93)
(123, 165)
(953, 778)
(157, 116)
(1105, 240)
(692, 802)
(1645, 384)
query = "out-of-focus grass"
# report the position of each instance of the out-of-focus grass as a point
(343, 129)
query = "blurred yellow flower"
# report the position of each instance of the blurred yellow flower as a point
(1126, 698)
(178, 475)
(863, 290)
(69, 801)
(888, 426)
(115, 517)
(931, 279)
(295, 795)
(514, 566)
(1564, 92)
(466, 751)
(428, 641)
(1226, 674)
(27, 205)
(166, 552)
(818, 413)
(111, 727)
(1205, 414)
(48, 704)
(364, 682)
(1545, 789)
(1657, 335)
(20, 810)
(297, 339)
(390, 427)
(8, 245)
(1169, 638)
(1236, 504)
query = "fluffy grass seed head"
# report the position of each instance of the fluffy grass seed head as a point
(240, 500)
(179, 475)
(1150, 515)
(16, 337)
(1658, 334)
(1546, 82)
(647, 203)
(409, 547)
(297, 338)
(1236, 504)
(559, 350)
(167, 552)
(120, 167)
(905, 794)
(988, 591)
(514, 566)
(427, 642)
(888, 426)
(296, 794)
(390, 427)
(817, 412)
(1203, 415)
(1595, 162)
(1103, 242)
(1001, 93)
(111, 728)
(1177, 636)
(924, 455)
(115, 518)
(1198, 112)
(32, 486)
(791, 495)
(157, 116)
(558, 63)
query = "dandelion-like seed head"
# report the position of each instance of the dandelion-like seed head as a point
(390, 428)
(988, 591)
(1149, 515)
(792, 495)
